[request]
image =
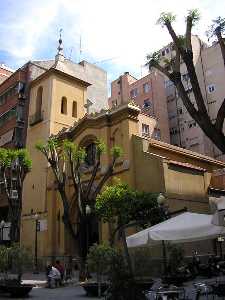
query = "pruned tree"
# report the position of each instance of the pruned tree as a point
(14, 166)
(125, 207)
(66, 160)
(216, 31)
(171, 69)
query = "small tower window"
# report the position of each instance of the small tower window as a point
(74, 109)
(64, 106)
(90, 154)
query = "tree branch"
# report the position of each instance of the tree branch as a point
(176, 67)
(221, 43)
(160, 68)
(220, 117)
(188, 33)
(186, 100)
(174, 37)
(91, 181)
(107, 175)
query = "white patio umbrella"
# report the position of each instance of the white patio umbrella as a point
(186, 227)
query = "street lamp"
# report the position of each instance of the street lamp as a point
(163, 210)
(161, 199)
(36, 216)
(88, 212)
(2, 225)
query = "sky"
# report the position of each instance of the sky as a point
(116, 35)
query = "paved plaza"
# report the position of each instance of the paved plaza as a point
(71, 292)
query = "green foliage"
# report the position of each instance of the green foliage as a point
(100, 258)
(115, 201)
(71, 149)
(100, 147)
(4, 157)
(122, 203)
(116, 152)
(218, 25)
(194, 15)
(14, 259)
(166, 17)
(153, 58)
(24, 158)
(120, 281)
(19, 258)
(9, 156)
(142, 261)
(3, 259)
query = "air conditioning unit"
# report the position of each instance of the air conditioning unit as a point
(14, 194)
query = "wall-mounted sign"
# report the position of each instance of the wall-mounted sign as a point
(43, 225)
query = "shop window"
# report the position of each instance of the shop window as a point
(64, 106)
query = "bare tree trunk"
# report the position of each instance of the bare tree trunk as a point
(221, 43)
(127, 255)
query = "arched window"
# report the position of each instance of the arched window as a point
(64, 106)
(39, 101)
(90, 154)
(74, 109)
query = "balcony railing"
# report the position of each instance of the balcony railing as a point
(36, 118)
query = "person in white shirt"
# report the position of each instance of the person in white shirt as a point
(53, 276)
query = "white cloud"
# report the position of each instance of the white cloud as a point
(123, 29)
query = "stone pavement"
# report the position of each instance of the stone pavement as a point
(70, 292)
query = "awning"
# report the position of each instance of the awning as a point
(187, 227)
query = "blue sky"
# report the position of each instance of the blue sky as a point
(124, 30)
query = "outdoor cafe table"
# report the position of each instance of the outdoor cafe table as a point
(166, 294)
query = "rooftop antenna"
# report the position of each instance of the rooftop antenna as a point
(60, 55)
(71, 51)
(80, 49)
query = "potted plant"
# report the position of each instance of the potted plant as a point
(13, 261)
(175, 262)
(98, 261)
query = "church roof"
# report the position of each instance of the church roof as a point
(65, 66)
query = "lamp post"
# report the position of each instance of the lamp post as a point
(2, 225)
(163, 210)
(88, 212)
(36, 216)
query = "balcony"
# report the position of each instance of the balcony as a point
(36, 118)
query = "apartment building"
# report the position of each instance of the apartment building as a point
(5, 72)
(149, 93)
(184, 131)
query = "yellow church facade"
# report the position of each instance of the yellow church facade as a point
(57, 107)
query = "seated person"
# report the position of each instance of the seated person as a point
(53, 276)
(61, 269)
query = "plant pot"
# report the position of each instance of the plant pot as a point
(144, 285)
(91, 288)
(18, 291)
(175, 280)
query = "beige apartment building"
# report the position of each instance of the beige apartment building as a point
(184, 131)
(149, 93)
